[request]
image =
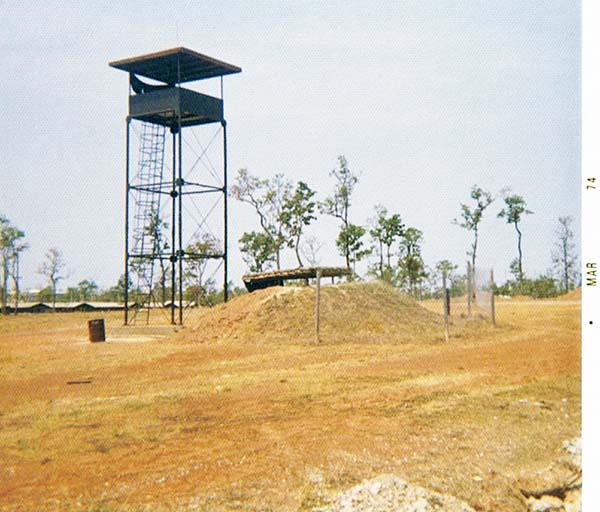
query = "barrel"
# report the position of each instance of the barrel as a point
(96, 330)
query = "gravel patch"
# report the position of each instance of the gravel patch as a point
(388, 493)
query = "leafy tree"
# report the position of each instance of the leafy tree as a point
(297, 213)
(446, 268)
(53, 268)
(515, 208)
(517, 275)
(540, 288)
(412, 267)
(194, 275)
(458, 285)
(117, 292)
(257, 250)
(338, 205)
(71, 295)
(351, 245)
(472, 216)
(385, 231)
(445, 271)
(45, 294)
(564, 258)
(86, 289)
(268, 198)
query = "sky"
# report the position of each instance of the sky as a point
(425, 99)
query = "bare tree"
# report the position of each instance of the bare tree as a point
(198, 282)
(563, 256)
(157, 229)
(52, 268)
(310, 250)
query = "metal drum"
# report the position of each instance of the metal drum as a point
(96, 330)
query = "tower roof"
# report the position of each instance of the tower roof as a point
(176, 65)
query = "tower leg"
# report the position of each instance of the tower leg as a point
(126, 273)
(180, 222)
(225, 229)
(173, 225)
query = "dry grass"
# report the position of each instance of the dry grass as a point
(350, 313)
(268, 420)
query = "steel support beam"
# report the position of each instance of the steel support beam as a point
(173, 225)
(225, 216)
(127, 191)
(180, 221)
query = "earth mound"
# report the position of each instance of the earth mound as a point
(361, 312)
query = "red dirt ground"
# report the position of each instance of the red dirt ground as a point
(175, 424)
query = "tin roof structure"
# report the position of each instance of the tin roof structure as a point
(176, 65)
(260, 280)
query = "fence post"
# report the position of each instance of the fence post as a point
(493, 299)
(318, 306)
(446, 304)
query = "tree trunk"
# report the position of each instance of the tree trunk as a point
(297, 250)
(16, 296)
(15, 276)
(519, 235)
(346, 234)
(566, 261)
(54, 296)
(389, 256)
(163, 282)
(474, 254)
(4, 284)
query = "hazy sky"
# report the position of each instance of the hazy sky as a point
(424, 98)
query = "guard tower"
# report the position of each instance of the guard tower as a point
(156, 200)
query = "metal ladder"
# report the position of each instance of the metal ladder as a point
(146, 212)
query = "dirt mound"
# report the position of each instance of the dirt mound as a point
(366, 312)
